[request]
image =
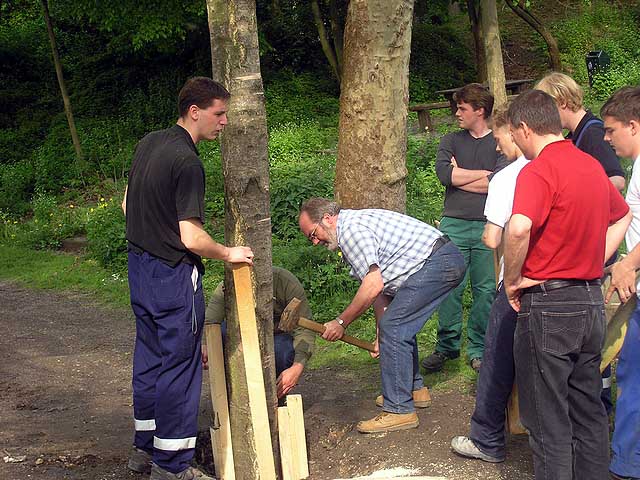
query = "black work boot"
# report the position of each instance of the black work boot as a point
(434, 362)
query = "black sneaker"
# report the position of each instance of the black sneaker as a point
(434, 362)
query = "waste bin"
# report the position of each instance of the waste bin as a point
(598, 61)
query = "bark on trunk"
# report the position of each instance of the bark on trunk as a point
(520, 9)
(245, 165)
(493, 51)
(63, 89)
(473, 9)
(370, 170)
(324, 41)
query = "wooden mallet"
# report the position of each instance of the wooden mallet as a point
(291, 319)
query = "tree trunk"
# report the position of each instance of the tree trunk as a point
(493, 51)
(63, 89)
(473, 9)
(324, 41)
(372, 144)
(245, 165)
(519, 8)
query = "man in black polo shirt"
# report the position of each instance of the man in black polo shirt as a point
(164, 208)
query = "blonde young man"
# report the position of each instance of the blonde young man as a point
(586, 131)
(486, 441)
(621, 114)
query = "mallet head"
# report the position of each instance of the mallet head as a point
(290, 316)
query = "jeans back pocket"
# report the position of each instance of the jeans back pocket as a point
(563, 332)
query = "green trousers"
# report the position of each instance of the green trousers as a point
(467, 235)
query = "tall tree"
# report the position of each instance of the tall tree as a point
(473, 9)
(493, 51)
(245, 165)
(370, 169)
(520, 8)
(333, 56)
(63, 88)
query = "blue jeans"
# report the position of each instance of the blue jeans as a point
(559, 336)
(410, 309)
(496, 379)
(625, 444)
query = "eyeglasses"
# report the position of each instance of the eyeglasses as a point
(312, 236)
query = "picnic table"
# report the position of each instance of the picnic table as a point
(514, 87)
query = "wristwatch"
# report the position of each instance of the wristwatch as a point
(341, 322)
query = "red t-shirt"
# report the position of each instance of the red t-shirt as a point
(571, 203)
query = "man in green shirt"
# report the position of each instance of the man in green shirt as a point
(292, 350)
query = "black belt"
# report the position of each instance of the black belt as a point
(555, 284)
(443, 240)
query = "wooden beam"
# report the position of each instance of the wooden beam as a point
(221, 429)
(253, 369)
(513, 414)
(286, 447)
(298, 438)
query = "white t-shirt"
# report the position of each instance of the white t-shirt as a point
(632, 237)
(499, 202)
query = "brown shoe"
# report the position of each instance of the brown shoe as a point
(421, 398)
(389, 422)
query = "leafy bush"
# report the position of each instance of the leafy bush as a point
(444, 46)
(302, 166)
(295, 98)
(600, 27)
(16, 187)
(51, 223)
(106, 235)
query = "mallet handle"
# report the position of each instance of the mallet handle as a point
(318, 328)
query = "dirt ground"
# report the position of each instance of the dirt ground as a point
(65, 404)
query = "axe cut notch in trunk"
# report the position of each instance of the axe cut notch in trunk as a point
(291, 319)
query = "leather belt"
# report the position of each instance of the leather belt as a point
(555, 284)
(443, 240)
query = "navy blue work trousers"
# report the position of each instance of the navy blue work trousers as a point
(169, 307)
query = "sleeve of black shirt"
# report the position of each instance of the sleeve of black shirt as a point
(595, 146)
(190, 193)
(444, 168)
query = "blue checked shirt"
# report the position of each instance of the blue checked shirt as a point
(396, 243)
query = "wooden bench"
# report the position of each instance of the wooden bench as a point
(513, 87)
(424, 117)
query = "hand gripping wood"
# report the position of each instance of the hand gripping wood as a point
(291, 319)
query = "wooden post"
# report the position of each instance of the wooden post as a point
(253, 370)
(221, 429)
(293, 443)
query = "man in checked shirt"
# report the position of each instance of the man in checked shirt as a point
(406, 268)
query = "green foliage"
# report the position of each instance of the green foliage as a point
(425, 193)
(294, 98)
(16, 187)
(106, 235)
(600, 27)
(50, 224)
(302, 163)
(439, 59)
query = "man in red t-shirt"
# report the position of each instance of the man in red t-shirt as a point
(567, 219)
